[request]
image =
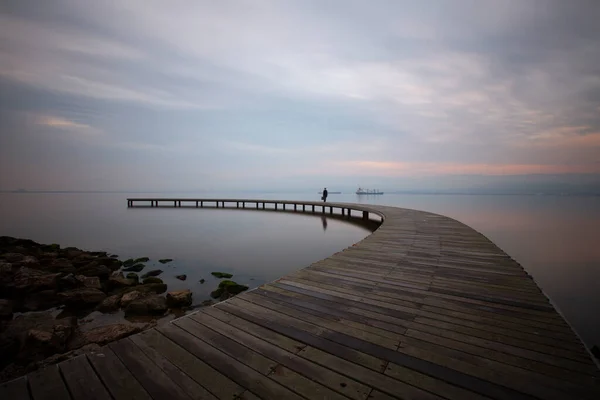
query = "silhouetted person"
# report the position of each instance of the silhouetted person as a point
(324, 194)
(324, 221)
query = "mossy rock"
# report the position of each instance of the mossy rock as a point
(221, 275)
(152, 279)
(141, 260)
(228, 287)
(133, 275)
(165, 260)
(134, 268)
(129, 262)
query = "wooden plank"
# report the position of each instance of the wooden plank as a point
(238, 372)
(215, 339)
(215, 382)
(152, 378)
(47, 384)
(302, 385)
(81, 379)
(191, 387)
(333, 380)
(116, 377)
(15, 389)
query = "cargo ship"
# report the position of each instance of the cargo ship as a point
(368, 191)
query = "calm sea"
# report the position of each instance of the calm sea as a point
(555, 238)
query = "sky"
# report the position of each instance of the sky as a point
(157, 95)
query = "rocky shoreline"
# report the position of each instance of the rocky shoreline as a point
(45, 290)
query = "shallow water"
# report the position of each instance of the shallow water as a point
(555, 238)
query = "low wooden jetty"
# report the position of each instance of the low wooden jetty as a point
(423, 308)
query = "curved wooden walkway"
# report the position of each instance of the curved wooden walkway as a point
(423, 308)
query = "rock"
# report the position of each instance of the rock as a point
(98, 253)
(109, 304)
(92, 282)
(13, 257)
(29, 261)
(134, 268)
(111, 263)
(154, 272)
(68, 282)
(141, 260)
(133, 275)
(152, 279)
(165, 260)
(31, 280)
(157, 288)
(94, 269)
(128, 263)
(103, 335)
(6, 309)
(82, 260)
(118, 281)
(202, 280)
(150, 305)
(82, 298)
(221, 275)
(207, 303)
(227, 289)
(62, 265)
(596, 351)
(129, 297)
(181, 277)
(40, 301)
(9, 348)
(39, 335)
(181, 298)
(114, 256)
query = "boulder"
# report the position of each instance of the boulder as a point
(133, 275)
(62, 265)
(149, 305)
(40, 301)
(12, 257)
(152, 279)
(68, 282)
(181, 277)
(103, 335)
(180, 298)
(82, 260)
(129, 297)
(31, 280)
(39, 335)
(227, 289)
(82, 297)
(29, 261)
(94, 269)
(134, 268)
(119, 281)
(6, 309)
(91, 282)
(109, 304)
(157, 288)
(111, 263)
(154, 272)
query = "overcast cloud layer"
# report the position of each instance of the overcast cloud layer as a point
(143, 94)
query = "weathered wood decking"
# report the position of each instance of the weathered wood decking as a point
(424, 308)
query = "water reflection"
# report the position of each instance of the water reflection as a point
(324, 221)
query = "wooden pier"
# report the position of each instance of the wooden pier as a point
(423, 308)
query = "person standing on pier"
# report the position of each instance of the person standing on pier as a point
(324, 194)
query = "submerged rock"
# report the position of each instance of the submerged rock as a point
(221, 275)
(134, 268)
(128, 263)
(150, 305)
(202, 280)
(180, 298)
(154, 272)
(181, 277)
(133, 275)
(227, 289)
(141, 260)
(152, 279)
(165, 260)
